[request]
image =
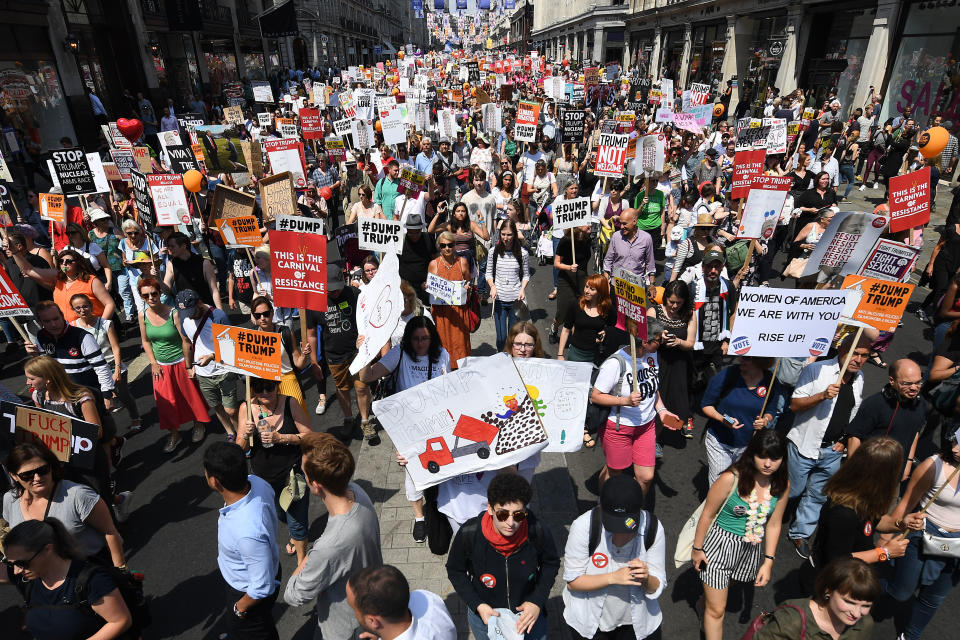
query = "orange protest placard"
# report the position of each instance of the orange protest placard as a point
(881, 302)
(240, 232)
(247, 352)
(53, 207)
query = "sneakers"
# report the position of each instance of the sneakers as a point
(554, 334)
(369, 429)
(922, 315)
(858, 178)
(419, 531)
(876, 185)
(123, 508)
(322, 406)
(802, 546)
(172, 442)
(862, 187)
(687, 429)
(199, 430)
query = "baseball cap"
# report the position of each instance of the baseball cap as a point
(714, 255)
(621, 504)
(334, 277)
(98, 214)
(187, 301)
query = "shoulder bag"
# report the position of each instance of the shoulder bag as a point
(473, 304)
(685, 538)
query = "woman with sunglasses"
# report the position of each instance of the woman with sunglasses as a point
(294, 356)
(73, 276)
(176, 394)
(39, 491)
(136, 250)
(271, 434)
(365, 207)
(452, 320)
(90, 251)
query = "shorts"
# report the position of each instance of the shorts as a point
(220, 390)
(344, 379)
(629, 446)
(729, 557)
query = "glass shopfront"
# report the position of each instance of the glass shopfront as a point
(764, 60)
(253, 65)
(706, 57)
(672, 54)
(222, 68)
(835, 56)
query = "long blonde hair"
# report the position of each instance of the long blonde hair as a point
(59, 385)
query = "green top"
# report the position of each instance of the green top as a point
(165, 340)
(785, 623)
(729, 521)
(649, 215)
(385, 194)
(110, 244)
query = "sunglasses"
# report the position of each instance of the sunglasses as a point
(445, 245)
(132, 233)
(22, 564)
(149, 294)
(262, 388)
(518, 516)
(262, 314)
(69, 261)
(27, 476)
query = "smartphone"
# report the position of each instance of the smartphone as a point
(672, 422)
(727, 420)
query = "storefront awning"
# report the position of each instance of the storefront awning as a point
(279, 21)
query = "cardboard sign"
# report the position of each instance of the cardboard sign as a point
(379, 308)
(277, 197)
(263, 92)
(11, 302)
(446, 292)
(124, 161)
(300, 224)
(71, 440)
(573, 121)
(169, 199)
(878, 303)
(910, 200)
(286, 155)
(298, 264)
(181, 158)
(143, 158)
(381, 235)
(611, 155)
(73, 171)
(889, 260)
(412, 181)
(631, 301)
(845, 243)
(571, 213)
(477, 419)
(247, 351)
(525, 132)
(233, 115)
(231, 203)
(747, 165)
(53, 207)
(240, 232)
(764, 203)
(786, 323)
(142, 201)
(311, 124)
(252, 156)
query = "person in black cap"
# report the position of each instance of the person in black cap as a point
(708, 170)
(614, 567)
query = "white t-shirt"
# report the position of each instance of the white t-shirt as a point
(90, 251)
(648, 383)
(529, 162)
(413, 372)
(431, 620)
(204, 342)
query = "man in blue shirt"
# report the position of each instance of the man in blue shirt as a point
(426, 157)
(247, 550)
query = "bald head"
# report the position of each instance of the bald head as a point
(906, 378)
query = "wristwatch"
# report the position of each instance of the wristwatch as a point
(237, 612)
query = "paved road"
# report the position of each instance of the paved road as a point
(171, 535)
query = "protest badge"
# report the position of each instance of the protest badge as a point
(785, 323)
(845, 244)
(277, 197)
(143, 204)
(247, 351)
(889, 260)
(252, 156)
(240, 232)
(664, 114)
(311, 125)
(777, 137)
(571, 213)
(687, 122)
(560, 391)
(264, 119)
(875, 302)
(412, 181)
(336, 149)
(379, 307)
(392, 127)
(611, 155)
(262, 92)
(764, 203)
(143, 158)
(300, 224)
(72, 441)
(573, 121)
(181, 158)
(631, 302)
(299, 269)
(699, 93)
(53, 206)
(380, 235)
(169, 199)
(233, 115)
(476, 419)
(910, 200)
(11, 302)
(124, 161)
(747, 165)
(73, 171)
(286, 155)
(446, 292)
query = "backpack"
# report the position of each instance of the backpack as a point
(736, 255)
(597, 415)
(649, 535)
(131, 590)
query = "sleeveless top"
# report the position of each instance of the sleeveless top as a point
(64, 290)
(464, 243)
(273, 464)
(945, 510)
(99, 331)
(733, 516)
(677, 327)
(165, 340)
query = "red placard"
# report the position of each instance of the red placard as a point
(311, 126)
(746, 166)
(910, 200)
(11, 302)
(298, 265)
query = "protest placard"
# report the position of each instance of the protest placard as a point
(446, 292)
(277, 197)
(525, 132)
(631, 301)
(571, 213)
(247, 351)
(300, 224)
(263, 92)
(53, 206)
(286, 155)
(11, 302)
(611, 155)
(73, 171)
(573, 121)
(412, 181)
(231, 203)
(311, 125)
(380, 235)
(699, 93)
(144, 161)
(764, 202)
(252, 156)
(747, 165)
(298, 265)
(264, 119)
(362, 132)
(788, 323)
(379, 308)
(687, 122)
(233, 115)
(475, 419)
(181, 158)
(124, 161)
(889, 260)
(100, 183)
(336, 149)
(142, 201)
(752, 137)
(664, 114)
(240, 232)
(341, 127)
(72, 441)
(845, 244)
(910, 200)
(777, 135)
(878, 303)
(652, 153)
(392, 127)
(528, 112)
(169, 199)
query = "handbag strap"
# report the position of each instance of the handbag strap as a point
(53, 494)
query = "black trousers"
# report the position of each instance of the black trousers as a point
(258, 624)
(620, 633)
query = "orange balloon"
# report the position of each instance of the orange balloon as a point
(378, 126)
(718, 110)
(466, 86)
(473, 92)
(933, 141)
(192, 180)
(396, 90)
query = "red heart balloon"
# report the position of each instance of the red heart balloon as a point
(132, 130)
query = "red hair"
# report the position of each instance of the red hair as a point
(599, 283)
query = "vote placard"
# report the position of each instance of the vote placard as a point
(611, 155)
(631, 302)
(298, 265)
(878, 303)
(571, 213)
(73, 171)
(787, 323)
(71, 440)
(247, 352)
(381, 235)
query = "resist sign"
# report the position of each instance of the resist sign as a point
(785, 323)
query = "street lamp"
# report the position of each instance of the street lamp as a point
(71, 44)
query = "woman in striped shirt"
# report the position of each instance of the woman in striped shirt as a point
(508, 271)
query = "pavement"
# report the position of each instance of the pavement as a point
(171, 534)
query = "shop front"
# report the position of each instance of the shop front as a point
(672, 56)
(706, 55)
(763, 58)
(641, 45)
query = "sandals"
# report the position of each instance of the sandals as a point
(876, 360)
(588, 441)
(553, 295)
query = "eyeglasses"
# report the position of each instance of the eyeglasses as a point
(23, 564)
(132, 233)
(68, 261)
(27, 476)
(518, 516)
(524, 345)
(262, 314)
(918, 383)
(446, 245)
(149, 294)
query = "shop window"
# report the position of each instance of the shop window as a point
(34, 105)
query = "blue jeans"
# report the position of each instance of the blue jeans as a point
(539, 631)
(807, 477)
(846, 171)
(297, 517)
(10, 333)
(910, 571)
(503, 319)
(127, 285)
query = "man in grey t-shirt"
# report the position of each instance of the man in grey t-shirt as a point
(482, 207)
